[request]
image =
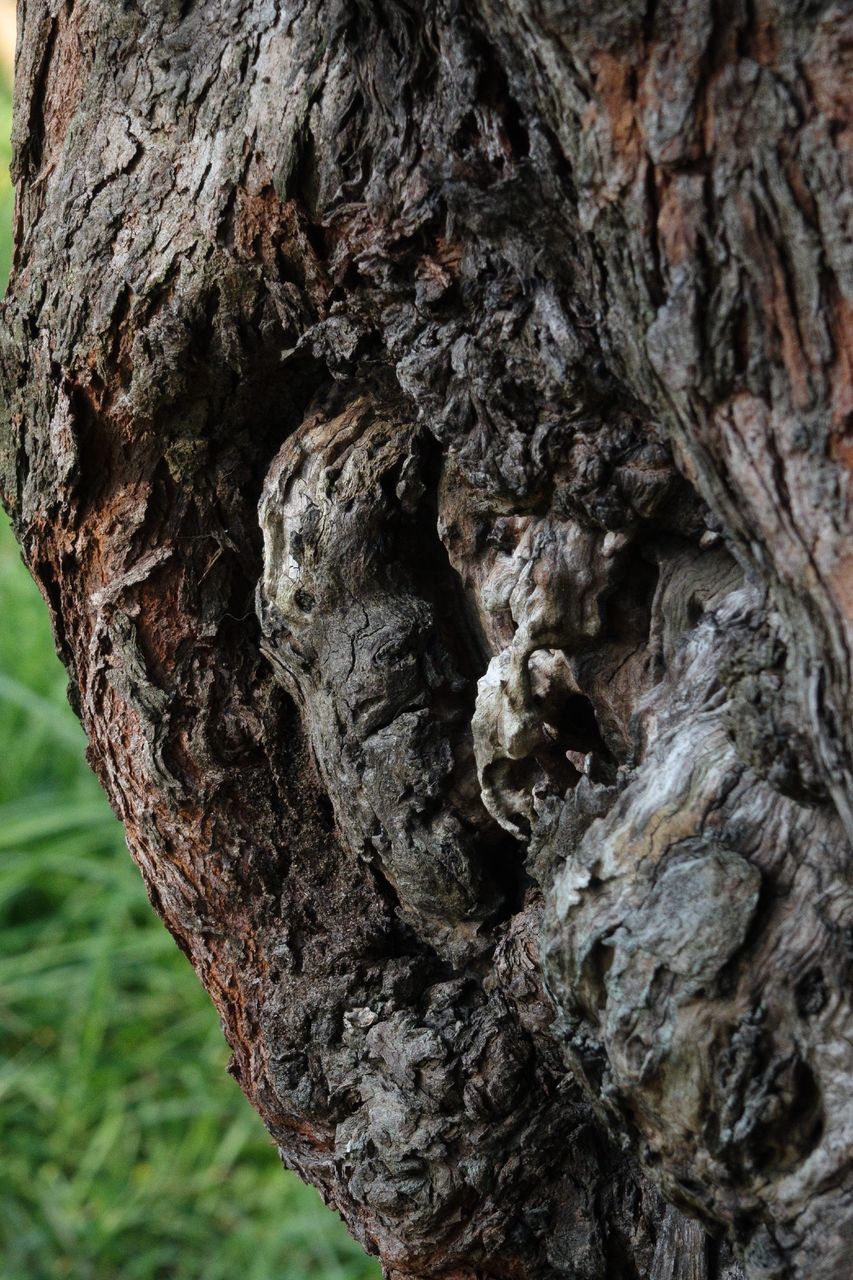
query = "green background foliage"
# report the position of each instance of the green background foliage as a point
(126, 1152)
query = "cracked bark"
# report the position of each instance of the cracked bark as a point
(427, 426)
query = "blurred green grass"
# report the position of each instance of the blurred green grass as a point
(126, 1152)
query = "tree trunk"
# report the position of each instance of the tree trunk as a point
(426, 423)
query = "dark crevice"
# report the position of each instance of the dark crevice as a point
(502, 855)
(576, 723)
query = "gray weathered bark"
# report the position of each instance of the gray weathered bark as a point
(427, 425)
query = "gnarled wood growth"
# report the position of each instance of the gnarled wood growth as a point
(427, 425)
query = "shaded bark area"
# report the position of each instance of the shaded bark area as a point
(427, 426)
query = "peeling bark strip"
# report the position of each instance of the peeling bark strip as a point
(495, 771)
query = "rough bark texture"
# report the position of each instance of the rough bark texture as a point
(427, 425)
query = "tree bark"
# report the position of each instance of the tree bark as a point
(426, 423)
